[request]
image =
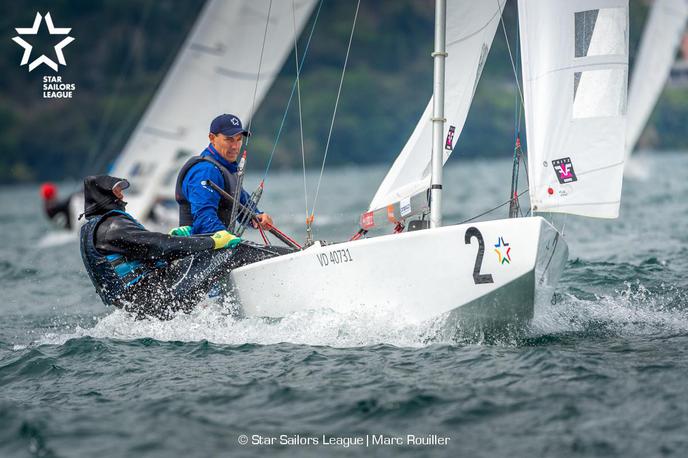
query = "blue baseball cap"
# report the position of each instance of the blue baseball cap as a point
(229, 125)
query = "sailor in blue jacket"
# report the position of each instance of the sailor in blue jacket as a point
(200, 206)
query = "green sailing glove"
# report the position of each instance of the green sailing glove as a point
(181, 231)
(224, 239)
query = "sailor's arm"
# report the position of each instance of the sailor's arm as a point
(204, 201)
(124, 236)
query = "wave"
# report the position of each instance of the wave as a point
(632, 310)
(365, 326)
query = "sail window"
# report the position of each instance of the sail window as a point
(601, 32)
(599, 93)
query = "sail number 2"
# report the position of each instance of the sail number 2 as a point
(334, 257)
(478, 278)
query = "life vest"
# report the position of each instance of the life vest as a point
(112, 274)
(224, 209)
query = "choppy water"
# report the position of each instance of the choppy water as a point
(600, 373)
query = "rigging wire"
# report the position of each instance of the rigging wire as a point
(260, 65)
(110, 108)
(298, 92)
(518, 109)
(291, 96)
(336, 104)
(524, 152)
(490, 210)
(242, 161)
(517, 72)
(508, 47)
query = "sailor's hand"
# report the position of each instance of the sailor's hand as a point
(224, 239)
(181, 231)
(264, 220)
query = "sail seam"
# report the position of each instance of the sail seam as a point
(162, 133)
(244, 75)
(216, 50)
(579, 67)
(476, 32)
(601, 168)
(581, 204)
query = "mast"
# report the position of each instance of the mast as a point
(438, 120)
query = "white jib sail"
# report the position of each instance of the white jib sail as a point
(575, 73)
(661, 37)
(471, 28)
(214, 72)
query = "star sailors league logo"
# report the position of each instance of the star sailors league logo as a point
(503, 251)
(42, 59)
(53, 86)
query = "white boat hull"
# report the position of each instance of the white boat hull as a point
(419, 276)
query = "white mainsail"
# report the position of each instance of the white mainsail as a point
(471, 28)
(661, 37)
(575, 67)
(215, 72)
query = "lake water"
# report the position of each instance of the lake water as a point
(602, 372)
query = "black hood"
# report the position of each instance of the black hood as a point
(98, 196)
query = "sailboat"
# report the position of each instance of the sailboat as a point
(229, 60)
(660, 40)
(491, 273)
(679, 71)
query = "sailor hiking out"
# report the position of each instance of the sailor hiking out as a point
(144, 272)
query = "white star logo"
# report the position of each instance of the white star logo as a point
(235, 121)
(33, 30)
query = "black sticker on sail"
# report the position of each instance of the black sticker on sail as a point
(564, 170)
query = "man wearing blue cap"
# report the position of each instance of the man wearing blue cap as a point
(200, 207)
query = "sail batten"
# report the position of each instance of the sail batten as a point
(575, 77)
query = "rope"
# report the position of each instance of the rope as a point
(293, 89)
(490, 210)
(260, 65)
(336, 104)
(298, 92)
(262, 234)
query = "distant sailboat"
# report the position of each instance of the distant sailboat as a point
(679, 72)
(661, 38)
(575, 64)
(215, 72)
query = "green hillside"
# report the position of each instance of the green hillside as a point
(124, 48)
